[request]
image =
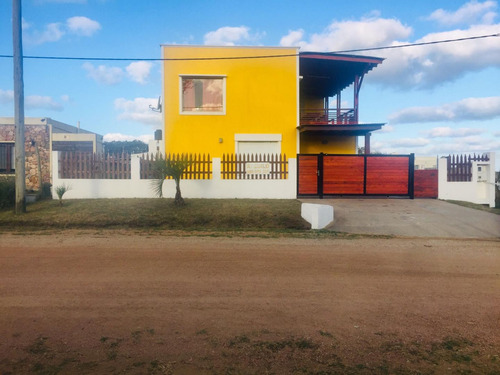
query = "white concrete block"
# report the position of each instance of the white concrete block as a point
(318, 215)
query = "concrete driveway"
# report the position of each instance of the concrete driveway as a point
(407, 217)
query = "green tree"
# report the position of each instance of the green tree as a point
(128, 147)
(163, 168)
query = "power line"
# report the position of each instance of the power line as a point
(253, 57)
(421, 44)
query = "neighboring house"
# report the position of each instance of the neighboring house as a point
(220, 100)
(426, 162)
(42, 135)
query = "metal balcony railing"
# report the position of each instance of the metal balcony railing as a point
(330, 116)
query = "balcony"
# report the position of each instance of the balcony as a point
(330, 116)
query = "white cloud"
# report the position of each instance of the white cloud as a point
(32, 101)
(25, 25)
(469, 13)
(431, 65)
(54, 32)
(230, 36)
(82, 26)
(438, 146)
(293, 38)
(422, 67)
(138, 110)
(463, 110)
(139, 71)
(6, 96)
(110, 137)
(386, 129)
(450, 132)
(42, 102)
(342, 35)
(51, 33)
(410, 142)
(104, 74)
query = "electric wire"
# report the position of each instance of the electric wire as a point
(257, 56)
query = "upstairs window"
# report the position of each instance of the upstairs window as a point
(7, 158)
(203, 94)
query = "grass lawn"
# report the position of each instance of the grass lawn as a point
(162, 214)
(480, 207)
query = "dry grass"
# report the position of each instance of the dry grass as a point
(142, 352)
(197, 214)
(480, 207)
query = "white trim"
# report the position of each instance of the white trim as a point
(227, 47)
(209, 113)
(258, 137)
(203, 75)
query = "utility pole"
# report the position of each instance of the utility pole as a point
(17, 37)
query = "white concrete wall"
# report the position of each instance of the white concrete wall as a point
(214, 188)
(480, 190)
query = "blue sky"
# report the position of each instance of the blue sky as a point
(435, 100)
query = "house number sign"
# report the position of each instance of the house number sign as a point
(258, 168)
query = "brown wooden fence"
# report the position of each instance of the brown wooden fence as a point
(460, 166)
(199, 168)
(86, 165)
(82, 165)
(254, 167)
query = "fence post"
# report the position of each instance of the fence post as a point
(411, 176)
(135, 167)
(216, 169)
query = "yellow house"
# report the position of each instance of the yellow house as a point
(221, 100)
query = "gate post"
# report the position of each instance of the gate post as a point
(320, 175)
(411, 176)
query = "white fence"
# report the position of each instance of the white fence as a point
(480, 189)
(216, 187)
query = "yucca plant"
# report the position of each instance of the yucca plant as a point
(163, 168)
(60, 191)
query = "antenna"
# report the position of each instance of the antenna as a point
(158, 106)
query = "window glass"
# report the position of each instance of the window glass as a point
(7, 158)
(202, 94)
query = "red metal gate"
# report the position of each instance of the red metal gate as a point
(369, 175)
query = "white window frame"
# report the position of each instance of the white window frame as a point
(202, 76)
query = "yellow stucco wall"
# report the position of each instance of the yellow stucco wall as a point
(312, 102)
(261, 98)
(315, 144)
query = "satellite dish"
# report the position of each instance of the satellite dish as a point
(158, 106)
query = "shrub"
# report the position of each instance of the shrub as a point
(7, 192)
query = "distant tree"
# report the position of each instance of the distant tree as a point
(128, 147)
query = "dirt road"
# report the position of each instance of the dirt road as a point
(118, 303)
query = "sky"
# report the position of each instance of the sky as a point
(434, 99)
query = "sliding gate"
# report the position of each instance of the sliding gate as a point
(355, 175)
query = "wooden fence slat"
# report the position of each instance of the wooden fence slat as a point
(459, 167)
(233, 166)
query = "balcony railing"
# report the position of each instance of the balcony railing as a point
(330, 116)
